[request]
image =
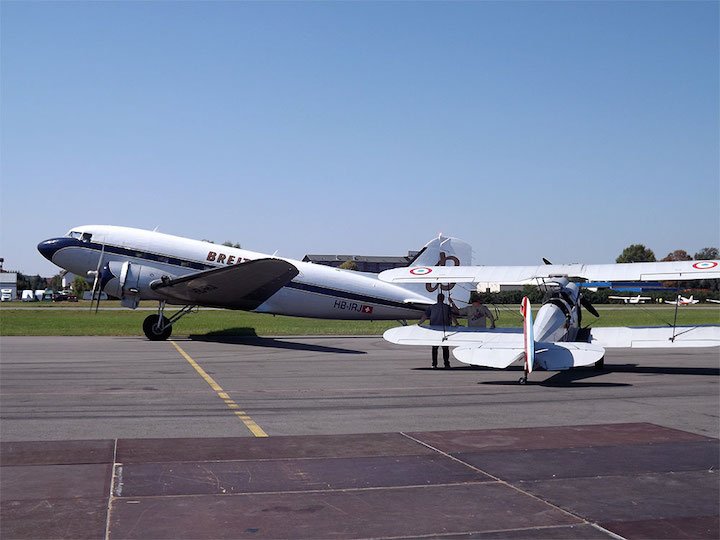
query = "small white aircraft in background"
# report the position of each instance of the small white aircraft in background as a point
(682, 301)
(631, 299)
(134, 264)
(713, 301)
(555, 340)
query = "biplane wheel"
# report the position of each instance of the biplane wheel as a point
(600, 364)
(522, 380)
(152, 331)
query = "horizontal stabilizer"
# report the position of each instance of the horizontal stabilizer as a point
(494, 356)
(550, 356)
(238, 286)
(564, 355)
(657, 337)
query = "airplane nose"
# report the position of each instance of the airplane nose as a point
(48, 248)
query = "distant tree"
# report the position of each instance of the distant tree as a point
(636, 253)
(79, 286)
(349, 265)
(56, 282)
(705, 254)
(230, 244)
(678, 255)
(23, 282)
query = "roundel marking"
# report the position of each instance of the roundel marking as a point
(707, 265)
(420, 271)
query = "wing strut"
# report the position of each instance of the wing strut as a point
(677, 305)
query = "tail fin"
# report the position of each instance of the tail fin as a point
(528, 334)
(443, 251)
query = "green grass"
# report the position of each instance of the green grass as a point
(81, 322)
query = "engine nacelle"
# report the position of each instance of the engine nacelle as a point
(131, 282)
(558, 315)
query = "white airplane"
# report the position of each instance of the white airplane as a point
(682, 301)
(631, 299)
(555, 341)
(134, 264)
(713, 301)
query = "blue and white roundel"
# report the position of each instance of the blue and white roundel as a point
(420, 271)
(705, 265)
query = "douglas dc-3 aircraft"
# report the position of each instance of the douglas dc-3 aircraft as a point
(134, 264)
(555, 341)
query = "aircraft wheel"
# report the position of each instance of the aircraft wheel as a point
(600, 364)
(522, 380)
(151, 330)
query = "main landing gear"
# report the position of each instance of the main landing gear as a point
(158, 327)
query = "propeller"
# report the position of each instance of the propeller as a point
(587, 305)
(96, 281)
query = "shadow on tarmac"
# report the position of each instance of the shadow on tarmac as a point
(247, 336)
(571, 377)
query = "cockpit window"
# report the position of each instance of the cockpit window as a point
(75, 234)
(86, 237)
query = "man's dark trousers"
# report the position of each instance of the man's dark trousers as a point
(446, 356)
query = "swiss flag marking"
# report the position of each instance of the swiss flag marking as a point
(366, 309)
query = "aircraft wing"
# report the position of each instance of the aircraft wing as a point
(238, 286)
(654, 271)
(451, 336)
(656, 337)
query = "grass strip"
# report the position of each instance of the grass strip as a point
(27, 322)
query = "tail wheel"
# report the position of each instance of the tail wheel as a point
(152, 330)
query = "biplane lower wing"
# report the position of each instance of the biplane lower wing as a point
(657, 337)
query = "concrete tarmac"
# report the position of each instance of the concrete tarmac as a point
(349, 437)
(64, 388)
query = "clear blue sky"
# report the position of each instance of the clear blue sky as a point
(565, 130)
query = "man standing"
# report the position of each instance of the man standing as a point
(440, 314)
(477, 314)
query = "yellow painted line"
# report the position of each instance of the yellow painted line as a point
(249, 423)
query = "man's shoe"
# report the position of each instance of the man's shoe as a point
(447, 366)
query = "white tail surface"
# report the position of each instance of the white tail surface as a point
(563, 355)
(442, 251)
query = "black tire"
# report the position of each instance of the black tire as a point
(600, 364)
(151, 330)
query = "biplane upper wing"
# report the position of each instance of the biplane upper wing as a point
(654, 271)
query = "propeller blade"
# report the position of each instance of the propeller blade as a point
(96, 281)
(587, 305)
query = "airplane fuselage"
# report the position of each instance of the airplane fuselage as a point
(317, 291)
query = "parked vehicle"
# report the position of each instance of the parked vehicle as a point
(28, 295)
(6, 295)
